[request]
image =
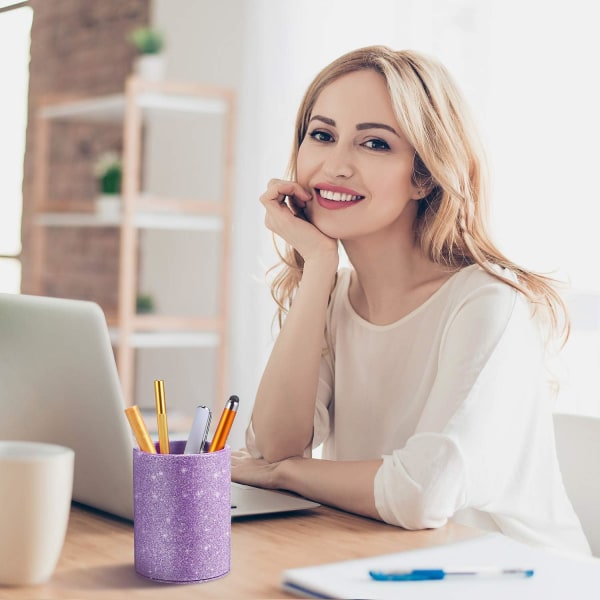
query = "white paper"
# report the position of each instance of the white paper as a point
(557, 576)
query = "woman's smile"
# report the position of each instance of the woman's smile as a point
(333, 197)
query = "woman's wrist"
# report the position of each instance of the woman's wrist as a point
(283, 474)
(326, 263)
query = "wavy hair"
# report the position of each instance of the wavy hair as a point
(449, 162)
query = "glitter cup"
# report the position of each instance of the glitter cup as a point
(182, 514)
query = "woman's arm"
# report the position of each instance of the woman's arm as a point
(347, 485)
(284, 408)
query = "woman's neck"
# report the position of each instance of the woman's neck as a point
(391, 277)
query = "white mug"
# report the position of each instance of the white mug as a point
(36, 486)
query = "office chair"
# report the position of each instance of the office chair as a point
(578, 448)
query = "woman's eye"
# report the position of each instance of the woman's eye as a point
(376, 144)
(321, 136)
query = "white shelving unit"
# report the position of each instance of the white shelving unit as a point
(140, 221)
(112, 108)
(139, 103)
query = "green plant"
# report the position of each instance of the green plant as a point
(109, 170)
(147, 40)
(144, 303)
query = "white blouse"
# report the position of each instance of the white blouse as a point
(456, 399)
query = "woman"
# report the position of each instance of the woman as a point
(421, 368)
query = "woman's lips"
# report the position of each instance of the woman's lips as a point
(334, 197)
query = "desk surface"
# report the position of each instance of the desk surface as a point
(97, 558)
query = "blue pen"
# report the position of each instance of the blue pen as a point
(432, 574)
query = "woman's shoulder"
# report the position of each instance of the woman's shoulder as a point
(480, 291)
(472, 292)
(475, 279)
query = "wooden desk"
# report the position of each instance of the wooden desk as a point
(97, 558)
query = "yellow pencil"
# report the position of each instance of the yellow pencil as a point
(136, 421)
(161, 416)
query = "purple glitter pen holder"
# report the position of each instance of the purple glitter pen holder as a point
(182, 514)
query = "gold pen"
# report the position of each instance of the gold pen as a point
(136, 421)
(161, 416)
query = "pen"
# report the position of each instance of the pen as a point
(224, 425)
(142, 437)
(161, 416)
(199, 431)
(430, 574)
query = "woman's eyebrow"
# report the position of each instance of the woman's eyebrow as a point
(325, 120)
(359, 126)
(362, 126)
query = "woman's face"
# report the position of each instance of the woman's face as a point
(356, 161)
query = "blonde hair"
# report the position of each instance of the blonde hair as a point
(449, 162)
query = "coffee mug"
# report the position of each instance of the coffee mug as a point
(36, 486)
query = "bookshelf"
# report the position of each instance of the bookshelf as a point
(140, 102)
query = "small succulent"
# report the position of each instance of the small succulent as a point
(147, 40)
(108, 170)
(144, 303)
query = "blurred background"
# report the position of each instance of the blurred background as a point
(528, 69)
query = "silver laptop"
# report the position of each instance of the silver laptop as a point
(59, 384)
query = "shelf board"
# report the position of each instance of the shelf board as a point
(161, 322)
(169, 339)
(179, 103)
(179, 423)
(111, 108)
(141, 220)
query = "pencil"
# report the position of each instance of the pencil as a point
(142, 437)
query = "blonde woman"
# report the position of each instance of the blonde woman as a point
(421, 368)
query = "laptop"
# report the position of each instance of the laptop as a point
(59, 384)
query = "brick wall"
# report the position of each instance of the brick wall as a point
(78, 48)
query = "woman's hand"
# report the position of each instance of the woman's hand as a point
(285, 202)
(253, 471)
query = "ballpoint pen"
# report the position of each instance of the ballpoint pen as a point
(199, 431)
(142, 437)
(224, 425)
(161, 416)
(430, 574)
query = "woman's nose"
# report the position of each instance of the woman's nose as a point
(338, 163)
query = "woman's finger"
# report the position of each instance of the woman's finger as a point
(279, 190)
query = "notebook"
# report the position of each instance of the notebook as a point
(555, 576)
(59, 384)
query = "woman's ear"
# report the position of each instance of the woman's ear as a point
(420, 192)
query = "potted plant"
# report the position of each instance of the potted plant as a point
(149, 43)
(144, 304)
(108, 170)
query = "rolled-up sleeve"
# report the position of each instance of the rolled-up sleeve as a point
(421, 485)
